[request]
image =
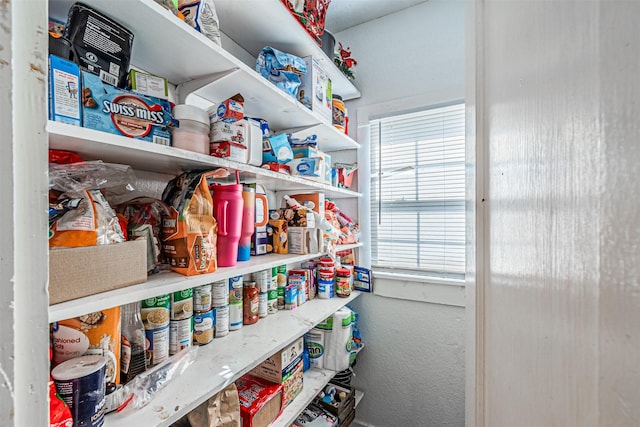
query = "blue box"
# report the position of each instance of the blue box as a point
(109, 109)
(64, 91)
(276, 149)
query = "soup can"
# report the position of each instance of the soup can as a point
(235, 315)
(202, 298)
(221, 320)
(180, 334)
(158, 345)
(263, 280)
(80, 382)
(203, 328)
(263, 310)
(235, 289)
(220, 293)
(272, 301)
(182, 304)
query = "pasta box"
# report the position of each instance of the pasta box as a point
(109, 109)
(90, 270)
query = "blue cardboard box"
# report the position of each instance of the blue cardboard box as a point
(109, 109)
(64, 91)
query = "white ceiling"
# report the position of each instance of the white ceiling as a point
(343, 14)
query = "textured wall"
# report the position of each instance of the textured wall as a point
(412, 371)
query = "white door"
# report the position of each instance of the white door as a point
(555, 266)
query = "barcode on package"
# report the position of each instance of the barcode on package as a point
(108, 78)
(161, 140)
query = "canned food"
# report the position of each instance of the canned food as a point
(155, 312)
(235, 315)
(262, 305)
(263, 280)
(158, 349)
(235, 289)
(272, 301)
(202, 298)
(203, 328)
(182, 304)
(180, 334)
(221, 321)
(220, 293)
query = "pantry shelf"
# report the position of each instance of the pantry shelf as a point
(95, 145)
(271, 24)
(225, 360)
(314, 382)
(348, 246)
(164, 283)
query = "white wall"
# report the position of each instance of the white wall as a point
(558, 119)
(412, 371)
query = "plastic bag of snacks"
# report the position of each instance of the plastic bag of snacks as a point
(281, 69)
(201, 15)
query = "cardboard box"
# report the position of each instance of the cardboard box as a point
(228, 132)
(260, 401)
(315, 90)
(277, 167)
(313, 201)
(148, 84)
(64, 91)
(122, 112)
(229, 151)
(79, 272)
(295, 218)
(303, 240)
(277, 236)
(308, 167)
(285, 367)
(301, 152)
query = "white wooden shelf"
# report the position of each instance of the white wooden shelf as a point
(314, 382)
(225, 360)
(96, 145)
(348, 246)
(254, 24)
(359, 396)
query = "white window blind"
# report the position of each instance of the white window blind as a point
(417, 191)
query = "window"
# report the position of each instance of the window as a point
(418, 190)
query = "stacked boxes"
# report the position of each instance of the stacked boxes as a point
(284, 367)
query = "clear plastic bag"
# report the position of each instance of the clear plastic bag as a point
(145, 386)
(91, 175)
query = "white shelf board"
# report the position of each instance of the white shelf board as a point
(162, 44)
(225, 360)
(164, 283)
(329, 138)
(96, 145)
(254, 24)
(348, 246)
(359, 396)
(313, 383)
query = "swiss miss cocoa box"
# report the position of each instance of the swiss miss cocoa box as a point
(109, 109)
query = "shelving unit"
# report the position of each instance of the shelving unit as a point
(193, 64)
(225, 360)
(314, 382)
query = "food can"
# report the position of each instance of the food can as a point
(325, 284)
(221, 320)
(182, 304)
(80, 382)
(180, 334)
(202, 298)
(203, 328)
(272, 301)
(220, 293)
(235, 315)
(158, 345)
(235, 289)
(263, 311)
(263, 280)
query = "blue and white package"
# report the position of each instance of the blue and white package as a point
(276, 149)
(64, 91)
(281, 69)
(308, 166)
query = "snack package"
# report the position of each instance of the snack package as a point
(144, 219)
(281, 69)
(201, 15)
(221, 410)
(260, 400)
(190, 229)
(93, 333)
(59, 413)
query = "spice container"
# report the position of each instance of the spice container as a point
(192, 132)
(343, 282)
(339, 119)
(251, 303)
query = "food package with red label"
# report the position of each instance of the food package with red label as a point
(260, 401)
(190, 229)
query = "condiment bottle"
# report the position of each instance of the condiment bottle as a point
(251, 303)
(132, 350)
(343, 284)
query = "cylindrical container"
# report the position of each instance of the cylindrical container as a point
(132, 349)
(325, 283)
(263, 310)
(192, 132)
(263, 280)
(182, 304)
(227, 209)
(339, 110)
(221, 321)
(235, 315)
(155, 316)
(280, 273)
(251, 302)
(220, 293)
(248, 222)
(343, 285)
(180, 334)
(80, 382)
(235, 289)
(202, 298)
(272, 301)
(203, 328)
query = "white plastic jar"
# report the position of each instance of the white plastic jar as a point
(193, 131)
